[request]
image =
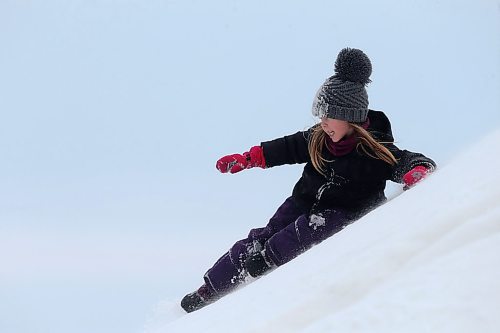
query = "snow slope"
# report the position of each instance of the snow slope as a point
(427, 261)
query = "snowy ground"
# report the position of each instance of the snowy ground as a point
(427, 261)
(113, 113)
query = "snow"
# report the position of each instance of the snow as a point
(113, 113)
(316, 221)
(427, 261)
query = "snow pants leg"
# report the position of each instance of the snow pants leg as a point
(289, 232)
(303, 233)
(228, 272)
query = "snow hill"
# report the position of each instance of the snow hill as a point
(427, 261)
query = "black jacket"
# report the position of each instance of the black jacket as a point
(354, 182)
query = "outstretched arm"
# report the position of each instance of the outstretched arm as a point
(291, 149)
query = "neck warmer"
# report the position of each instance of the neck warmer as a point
(346, 145)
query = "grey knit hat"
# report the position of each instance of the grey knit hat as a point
(343, 96)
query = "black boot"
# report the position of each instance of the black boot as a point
(198, 299)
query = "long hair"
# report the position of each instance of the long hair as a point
(367, 144)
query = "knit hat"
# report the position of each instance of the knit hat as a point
(343, 96)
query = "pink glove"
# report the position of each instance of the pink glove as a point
(414, 176)
(237, 162)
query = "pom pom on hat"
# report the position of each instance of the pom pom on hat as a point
(353, 65)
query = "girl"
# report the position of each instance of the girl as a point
(348, 157)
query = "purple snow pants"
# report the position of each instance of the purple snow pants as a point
(289, 232)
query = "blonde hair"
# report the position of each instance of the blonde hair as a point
(367, 144)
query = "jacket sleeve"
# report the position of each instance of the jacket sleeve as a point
(407, 160)
(291, 149)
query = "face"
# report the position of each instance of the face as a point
(336, 129)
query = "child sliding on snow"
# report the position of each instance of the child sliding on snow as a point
(348, 157)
